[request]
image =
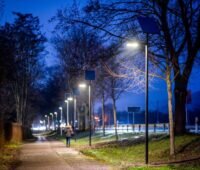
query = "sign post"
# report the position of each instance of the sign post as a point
(133, 110)
(90, 75)
(148, 26)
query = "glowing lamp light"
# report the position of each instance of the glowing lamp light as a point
(70, 98)
(82, 85)
(133, 44)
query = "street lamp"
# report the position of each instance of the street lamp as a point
(75, 112)
(55, 113)
(52, 119)
(148, 26)
(83, 85)
(75, 94)
(67, 101)
(70, 98)
(60, 108)
(133, 44)
(48, 121)
(136, 45)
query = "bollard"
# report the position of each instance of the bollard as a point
(164, 127)
(133, 126)
(154, 128)
(196, 124)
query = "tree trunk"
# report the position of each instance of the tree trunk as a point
(115, 118)
(170, 110)
(103, 114)
(1, 130)
(180, 103)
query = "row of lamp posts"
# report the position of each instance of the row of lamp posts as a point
(89, 75)
(149, 26)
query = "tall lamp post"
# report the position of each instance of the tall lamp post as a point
(89, 75)
(67, 109)
(52, 119)
(90, 115)
(83, 85)
(75, 116)
(136, 45)
(55, 126)
(61, 110)
(47, 121)
(148, 26)
(67, 101)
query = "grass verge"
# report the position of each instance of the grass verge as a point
(8, 156)
(128, 152)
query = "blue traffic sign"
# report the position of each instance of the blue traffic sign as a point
(76, 92)
(149, 25)
(133, 109)
(89, 75)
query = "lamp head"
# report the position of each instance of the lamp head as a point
(69, 98)
(82, 85)
(133, 44)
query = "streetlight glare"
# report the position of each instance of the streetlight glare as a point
(55, 113)
(82, 85)
(66, 101)
(133, 44)
(60, 108)
(70, 98)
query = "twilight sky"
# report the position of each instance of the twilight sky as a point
(45, 9)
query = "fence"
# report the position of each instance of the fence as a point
(162, 127)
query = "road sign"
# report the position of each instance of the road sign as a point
(89, 75)
(76, 92)
(67, 95)
(133, 109)
(149, 25)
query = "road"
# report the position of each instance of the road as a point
(50, 155)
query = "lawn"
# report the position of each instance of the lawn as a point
(82, 139)
(129, 153)
(8, 156)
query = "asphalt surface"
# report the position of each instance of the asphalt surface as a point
(53, 155)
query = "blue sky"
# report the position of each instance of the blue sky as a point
(45, 9)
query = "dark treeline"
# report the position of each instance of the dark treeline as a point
(21, 60)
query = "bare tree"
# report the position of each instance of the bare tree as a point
(116, 88)
(26, 44)
(116, 17)
(179, 23)
(101, 90)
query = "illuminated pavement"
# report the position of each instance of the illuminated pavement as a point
(53, 155)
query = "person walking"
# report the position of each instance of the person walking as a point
(69, 133)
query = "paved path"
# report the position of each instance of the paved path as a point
(53, 155)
